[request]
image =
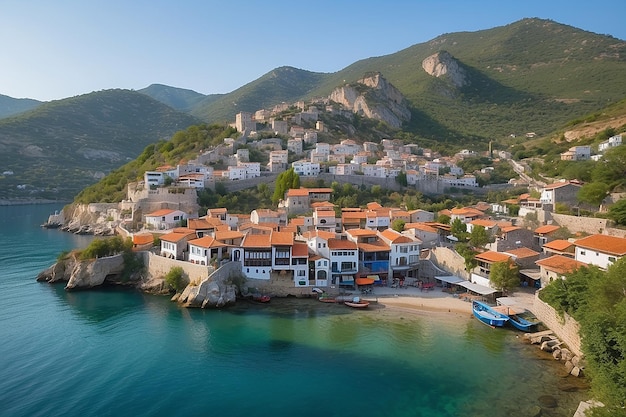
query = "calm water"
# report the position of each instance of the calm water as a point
(123, 353)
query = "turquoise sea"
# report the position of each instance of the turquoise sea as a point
(118, 352)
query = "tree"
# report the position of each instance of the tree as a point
(593, 193)
(398, 225)
(458, 229)
(286, 180)
(479, 237)
(617, 212)
(401, 179)
(468, 255)
(175, 279)
(504, 276)
(443, 219)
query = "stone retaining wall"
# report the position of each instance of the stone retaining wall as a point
(447, 259)
(566, 328)
(158, 266)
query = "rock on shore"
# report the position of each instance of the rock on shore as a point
(83, 274)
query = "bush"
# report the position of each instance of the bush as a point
(176, 279)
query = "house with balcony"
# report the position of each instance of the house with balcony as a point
(205, 249)
(425, 233)
(174, 244)
(373, 252)
(404, 254)
(319, 270)
(600, 250)
(480, 275)
(206, 226)
(344, 262)
(324, 218)
(306, 168)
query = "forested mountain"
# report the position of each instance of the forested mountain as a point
(10, 106)
(178, 98)
(62, 146)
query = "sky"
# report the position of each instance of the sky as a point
(57, 49)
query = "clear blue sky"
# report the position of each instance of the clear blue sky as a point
(58, 49)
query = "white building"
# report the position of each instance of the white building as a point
(295, 146)
(235, 173)
(611, 142)
(253, 169)
(600, 250)
(165, 219)
(306, 169)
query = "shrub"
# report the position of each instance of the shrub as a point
(176, 279)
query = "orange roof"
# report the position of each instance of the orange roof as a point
(282, 238)
(322, 204)
(297, 221)
(602, 243)
(160, 213)
(395, 237)
(466, 211)
(560, 264)
(228, 234)
(143, 238)
(207, 242)
(361, 232)
(522, 253)
(559, 245)
(300, 249)
(373, 205)
(219, 210)
(298, 192)
(548, 228)
(484, 222)
(374, 247)
(420, 226)
(508, 229)
(341, 244)
(353, 215)
(491, 256)
(175, 237)
(256, 241)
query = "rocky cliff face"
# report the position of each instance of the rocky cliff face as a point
(83, 274)
(374, 97)
(442, 64)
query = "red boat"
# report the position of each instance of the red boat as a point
(261, 298)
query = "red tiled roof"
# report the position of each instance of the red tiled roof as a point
(228, 234)
(160, 213)
(395, 237)
(143, 238)
(282, 238)
(298, 192)
(560, 184)
(361, 232)
(420, 226)
(379, 246)
(560, 264)
(174, 237)
(559, 245)
(548, 228)
(341, 244)
(602, 243)
(207, 242)
(484, 222)
(508, 229)
(256, 241)
(300, 249)
(522, 253)
(491, 256)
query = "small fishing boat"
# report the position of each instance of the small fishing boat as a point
(326, 299)
(357, 303)
(521, 323)
(261, 298)
(488, 315)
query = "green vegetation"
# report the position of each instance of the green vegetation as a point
(62, 146)
(597, 300)
(285, 181)
(175, 278)
(504, 276)
(398, 225)
(184, 145)
(99, 248)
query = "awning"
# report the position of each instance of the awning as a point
(365, 281)
(531, 273)
(480, 289)
(450, 279)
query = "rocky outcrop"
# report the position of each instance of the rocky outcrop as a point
(442, 64)
(218, 290)
(94, 219)
(374, 97)
(81, 274)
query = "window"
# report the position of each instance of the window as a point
(301, 273)
(583, 253)
(611, 258)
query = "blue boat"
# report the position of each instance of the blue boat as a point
(520, 323)
(488, 315)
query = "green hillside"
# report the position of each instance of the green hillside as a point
(62, 146)
(178, 98)
(530, 76)
(10, 106)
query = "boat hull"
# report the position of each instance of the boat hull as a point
(487, 315)
(522, 324)
(360, 304)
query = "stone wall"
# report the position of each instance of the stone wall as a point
(448, 260)
(158, 266)
(580, 224)
(566, 328)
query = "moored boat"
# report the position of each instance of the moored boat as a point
(357, 303)
(261, 298)
(488, 315)
(520, 323)
(327, 299)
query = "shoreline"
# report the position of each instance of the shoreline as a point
(427, 304)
